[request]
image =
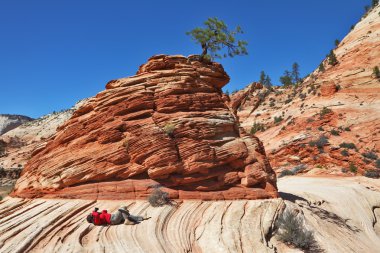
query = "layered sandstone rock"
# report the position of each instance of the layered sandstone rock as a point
(166, 125)
(287, 120)
(18, 144)
(59, 225)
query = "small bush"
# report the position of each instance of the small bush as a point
(344, 152)
(321, 128)
(377, 163)
(348, 145)
(324, 111)
(271, 104)
(299, 168)
(321, 67)
(288, 101)
(278, 119)
(370, 155)
(319, 143)
(257, 127)
(159, 198)
(334, 132)
(169, 129)
(376, 72)
(372, 174)
(366, 161)
(347, 129)
(291, 230)
(353, 168)
(286, 173)
(332, 60)
(344, 170)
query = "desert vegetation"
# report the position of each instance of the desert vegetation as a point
(257, 127)
(158, 197)
(215, 37)
(169, 129)
(292, 231)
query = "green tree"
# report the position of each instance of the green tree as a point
(375, 3)
(336, 42)
(265, 80)
(296, 73)
(332, 58)
(268, 82)
(286, 79)
(321, 67)
(262, 77)
(216, 37)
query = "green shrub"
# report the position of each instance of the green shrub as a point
(169, 129)
(291, 230)
(348, 145)
(370, 155)
(321, 67)
(353, 168)
(334, 132)
(158, 197)
(324, 111)
(372, 173)
(302, 96)
(376, 72)
(377, 163)
(320, 128)
(299, 168)
(344, 152)
(257, 127)
(286, 173)
(347, 129)
(332, 58)
(278, 119)
(319, 143)
(366, 161)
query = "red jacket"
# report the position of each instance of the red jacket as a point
(96, 218)
(105, 218)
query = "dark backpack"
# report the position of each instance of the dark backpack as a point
(90, 218)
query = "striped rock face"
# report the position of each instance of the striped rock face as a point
(166, 125)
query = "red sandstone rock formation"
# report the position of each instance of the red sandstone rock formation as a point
(348, 89)
(166, 125)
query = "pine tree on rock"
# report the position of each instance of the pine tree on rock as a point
(296, 73)
(332, 58)
(216, 37)
(286, 79)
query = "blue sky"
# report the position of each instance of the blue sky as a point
(54, 53)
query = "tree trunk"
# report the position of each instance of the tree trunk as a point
(204, 52)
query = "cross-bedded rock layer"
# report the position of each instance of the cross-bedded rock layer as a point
(166, 125)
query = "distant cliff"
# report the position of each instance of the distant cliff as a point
(9, 122)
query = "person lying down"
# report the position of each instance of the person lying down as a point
(121, 216)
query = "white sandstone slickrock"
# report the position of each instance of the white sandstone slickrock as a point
(342, 212)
